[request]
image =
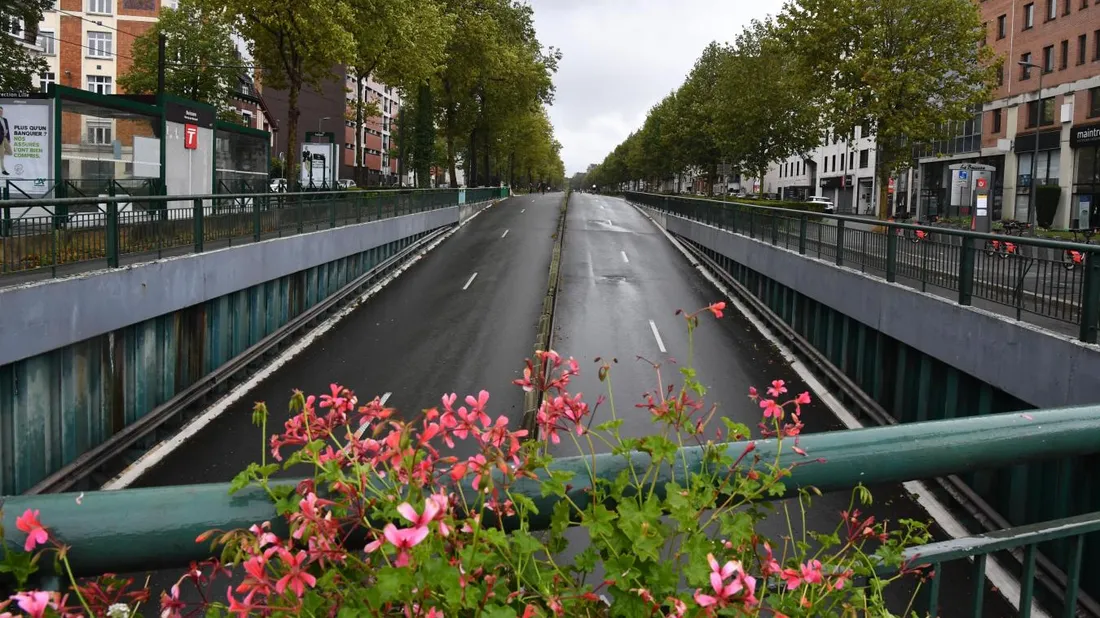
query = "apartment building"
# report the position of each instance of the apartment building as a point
(1061, 38)
(379, 168)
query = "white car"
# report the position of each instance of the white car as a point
(824, 201)
(345, 184)
(278, 185)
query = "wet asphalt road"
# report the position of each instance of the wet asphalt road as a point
(605, 306)
(419, 338)
(424, 336)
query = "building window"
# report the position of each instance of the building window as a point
(1052, 10)
(1029, 16)
(247, 117)
(851, 159)
(99, 44)
(1084, 4)
(100, 84)
(44, 81)
(834, 163)
(1081, 42)
(997, 120)
(1065, 55)
(1094, 102)
(103, 7)
(1065, 9)
(1048, 59)
(863, 156)
(13, 26)
(1001, 75)
(1025, 71)
(46, 42)
(1047, 118)
(1096, 45)
(99, 132)
(1001, 27)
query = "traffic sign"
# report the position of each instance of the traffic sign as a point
(982, 182)
(191, 136)
(962, 175)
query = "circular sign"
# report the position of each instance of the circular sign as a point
(981, 183)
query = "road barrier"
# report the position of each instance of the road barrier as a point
(1037, 278)
(142, 529)
(106, 231)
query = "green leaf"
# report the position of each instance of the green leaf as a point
(735, 431)
(499, 612)
(393, 583)
(736, 527)
(610, 426)
(659, 447)
(554, 484)
(587, 559)
(598, 519)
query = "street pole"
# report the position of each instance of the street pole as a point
(1035, 147)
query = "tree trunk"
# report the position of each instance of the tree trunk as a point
(452, 169)
(512, 169)
(471, 161)
(292, 115)
(485, 158)
(882, 184)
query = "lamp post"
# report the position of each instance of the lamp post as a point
(1035, 146)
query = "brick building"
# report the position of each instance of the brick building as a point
(1062, 37)
(332, 110)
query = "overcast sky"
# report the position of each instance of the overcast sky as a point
(623, 56)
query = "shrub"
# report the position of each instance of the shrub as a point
(443, 535)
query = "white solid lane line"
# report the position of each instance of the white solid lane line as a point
(522, 211)
(504, 234)
(657, 336)
(471, 280)
(625, 259)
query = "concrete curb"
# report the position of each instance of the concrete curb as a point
(544, 336)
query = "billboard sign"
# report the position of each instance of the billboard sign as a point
(318, 166)
(25, 144)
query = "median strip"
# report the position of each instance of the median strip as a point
(544, 336)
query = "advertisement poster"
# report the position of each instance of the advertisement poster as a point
(25, 145)
(317, 165)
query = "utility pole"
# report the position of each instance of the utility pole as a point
(1035, 146)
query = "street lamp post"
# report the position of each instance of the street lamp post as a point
(320, 120)
(1035, 146)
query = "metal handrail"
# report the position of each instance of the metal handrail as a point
(154, 528)
(795, 214)
(75, 201)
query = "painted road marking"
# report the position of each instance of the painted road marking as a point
(657, 336)
(472, 277)
(522, 211)
(625, 259)
(998, 575)
(504, 234)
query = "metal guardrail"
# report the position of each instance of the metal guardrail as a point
(38, 234)
(155, 528)
(1039, 277)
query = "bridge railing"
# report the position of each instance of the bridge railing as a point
(1051, 283)
(62, 235)
(155, 528)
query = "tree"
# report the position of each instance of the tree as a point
(297, 44)
(201, 60)
(759, 126)
(698, 103)
(20, 62)
(401, 42)
(903, 70)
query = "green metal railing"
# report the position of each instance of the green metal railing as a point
(141, 529)
(68, 234)
(1039, 280)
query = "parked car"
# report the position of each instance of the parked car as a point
(278, 185)
(346, 184)
(824, 201)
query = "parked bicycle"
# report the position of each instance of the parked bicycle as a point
(916, 236)
(1072, 259)
(1004, 248)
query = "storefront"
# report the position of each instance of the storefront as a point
(1085, 141)
(1047, 169)
(840, 191)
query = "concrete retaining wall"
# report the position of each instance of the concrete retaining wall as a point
(1042, 368)
(44, 316)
